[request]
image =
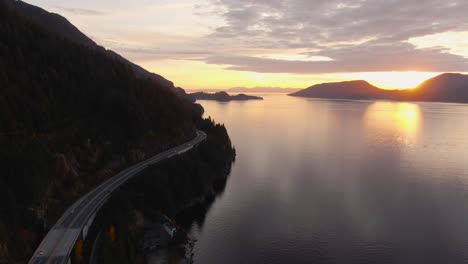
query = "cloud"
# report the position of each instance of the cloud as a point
(246, 35)
(367, 57)
(83, 11)
(327, 21)
(358, 35)
(143, 52)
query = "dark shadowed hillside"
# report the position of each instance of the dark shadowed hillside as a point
(61, 27)
(448, 87)
(53, 23)
(71, 116)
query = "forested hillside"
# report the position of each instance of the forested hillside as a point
(70, 117)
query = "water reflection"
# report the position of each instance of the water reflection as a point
(189, 220)
(399, 122)
(333, 181)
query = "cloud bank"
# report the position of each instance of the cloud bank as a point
(268, 36)
(358, 35)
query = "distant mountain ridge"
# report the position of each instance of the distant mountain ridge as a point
(262, 90)
(346, 90)
(223, 96)
(248, 90)
(447, 87)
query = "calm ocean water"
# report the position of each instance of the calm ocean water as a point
(329, 181)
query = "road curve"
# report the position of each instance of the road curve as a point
(58, 243)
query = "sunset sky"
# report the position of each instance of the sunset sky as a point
(217, 44)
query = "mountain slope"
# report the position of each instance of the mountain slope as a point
(60, 26)
(53, 23)
(447, 87)
(343, 90)
(70, 117)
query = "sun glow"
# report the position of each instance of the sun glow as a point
(403, 120)
(408, 116)
(393, 80)
(198, 75)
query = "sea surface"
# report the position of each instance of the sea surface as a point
(336, 181)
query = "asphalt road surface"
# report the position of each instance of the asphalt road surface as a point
(58, 243)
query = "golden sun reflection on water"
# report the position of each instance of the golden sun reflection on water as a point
(401, 121)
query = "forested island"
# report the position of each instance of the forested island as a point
(73, 114)
(223, 96)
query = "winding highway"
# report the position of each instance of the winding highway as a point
(57, 245)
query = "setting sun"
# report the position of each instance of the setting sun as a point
(393, 80)
(205, 76)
